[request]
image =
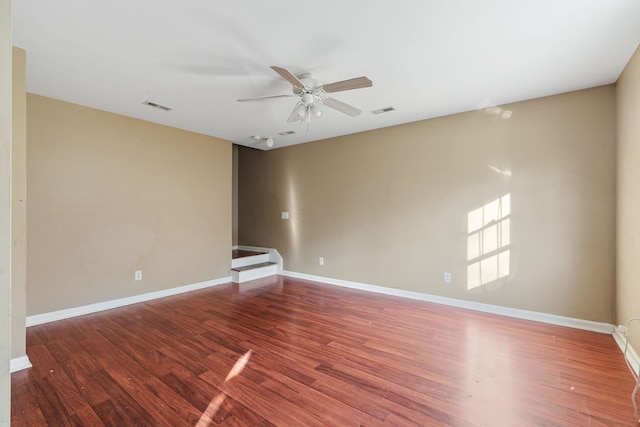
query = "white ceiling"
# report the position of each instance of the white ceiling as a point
(426, 58)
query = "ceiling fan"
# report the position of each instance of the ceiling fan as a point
(312, 93)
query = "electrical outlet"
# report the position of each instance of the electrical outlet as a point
(321, 261)
(447, 277)
(138, 275)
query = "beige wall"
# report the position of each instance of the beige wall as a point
(19, 205)
(391, 207)
(109, 195)
(234, 199)
(628, 212)
(5, 210)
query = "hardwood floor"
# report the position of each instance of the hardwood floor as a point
(286, 352)
(240, 253)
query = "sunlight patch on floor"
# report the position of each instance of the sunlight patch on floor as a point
(207, 416)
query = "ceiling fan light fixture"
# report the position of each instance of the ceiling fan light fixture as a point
(315, 110)
(301, 110)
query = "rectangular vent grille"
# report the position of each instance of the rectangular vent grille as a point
(158, 106)
(383, 110)
(289, 132)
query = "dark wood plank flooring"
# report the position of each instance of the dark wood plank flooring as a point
(287, 352)
(240, 253)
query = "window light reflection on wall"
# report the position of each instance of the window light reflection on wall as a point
(488, 240)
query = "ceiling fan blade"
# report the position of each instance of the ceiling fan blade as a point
(356, 83)
(286, 74)
(260, 98)
(342, 107)
(294, 116)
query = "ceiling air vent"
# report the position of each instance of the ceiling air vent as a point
(289, 132)
(156, 105)
(383, 110)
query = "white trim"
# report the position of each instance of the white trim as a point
(20, 363)
(249, 260)
(242, 276)
(631, 356)
(107, 305)
(553, 319)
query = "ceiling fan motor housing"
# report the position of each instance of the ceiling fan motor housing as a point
(307, 99)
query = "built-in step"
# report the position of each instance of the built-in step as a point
(241, 253)
(251, 265)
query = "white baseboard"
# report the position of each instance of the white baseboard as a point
(20, 363)
(107, 305)
(553, 319)
(471, 305)
(631, 355)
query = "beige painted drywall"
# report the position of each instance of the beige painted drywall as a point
(234, 200)
(109, 195)
(628, 212)
(19, 205)
(6, 55)
(391, 207)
